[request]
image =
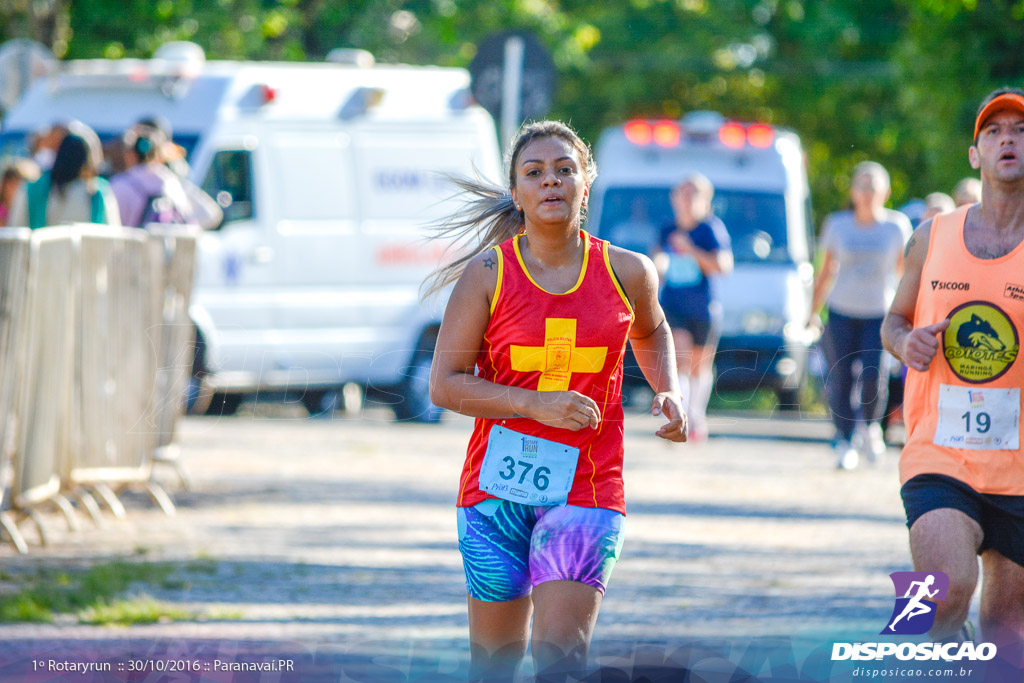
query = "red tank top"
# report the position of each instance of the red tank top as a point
(557, 342)
(951, 410)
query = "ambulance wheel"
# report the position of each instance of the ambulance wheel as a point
(199, 394)
(322, 403)
(223, 405)
(788, 399)
(414, 392)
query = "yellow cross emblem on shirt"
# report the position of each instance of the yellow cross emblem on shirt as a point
(559, 358)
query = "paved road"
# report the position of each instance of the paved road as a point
(341, 534)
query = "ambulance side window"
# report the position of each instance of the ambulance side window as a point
(229, 181)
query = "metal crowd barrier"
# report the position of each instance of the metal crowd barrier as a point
(46, 421)
(14, 253)
(115, 364)
(100, 333)
(173, 253)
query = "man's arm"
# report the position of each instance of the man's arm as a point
(916, 347)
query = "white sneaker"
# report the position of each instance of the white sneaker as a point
(859, 437)
(874, 444)
(846, 455)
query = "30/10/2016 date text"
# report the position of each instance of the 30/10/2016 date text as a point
(160, 665)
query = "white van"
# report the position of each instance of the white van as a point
(762, 196)
(327, 174)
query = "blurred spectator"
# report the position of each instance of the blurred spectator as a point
(43, 144)
(936, 203)
(208, 213)
(967, 191)
(913, 210)
(149, 192)
(862, 258)
(694, 248)
(15, 174)
(70, 192)
(113, 158)
(173, 155)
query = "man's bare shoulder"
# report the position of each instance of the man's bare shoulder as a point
(917, 245)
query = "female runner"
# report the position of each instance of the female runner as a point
(531, 345)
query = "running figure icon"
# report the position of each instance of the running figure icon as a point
(915, 606)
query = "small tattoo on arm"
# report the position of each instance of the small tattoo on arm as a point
(910, 243)
(489, 263)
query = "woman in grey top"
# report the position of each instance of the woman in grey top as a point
(861, 263)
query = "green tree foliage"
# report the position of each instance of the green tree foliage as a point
(953, 53)
(892, 80)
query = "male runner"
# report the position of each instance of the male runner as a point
(956, 322)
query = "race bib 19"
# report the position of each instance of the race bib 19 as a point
(978, 419)
(527, 469)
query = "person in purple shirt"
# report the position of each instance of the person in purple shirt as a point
(149, 192)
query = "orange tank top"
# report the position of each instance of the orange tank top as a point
(963, 414)
(556, 342)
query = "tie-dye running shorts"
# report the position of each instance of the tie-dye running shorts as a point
(508, 548)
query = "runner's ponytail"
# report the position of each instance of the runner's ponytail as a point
(489, 215)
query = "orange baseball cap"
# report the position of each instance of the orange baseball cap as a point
(1003, 102)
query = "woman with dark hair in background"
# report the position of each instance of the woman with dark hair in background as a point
(71, 191)
(531, 345)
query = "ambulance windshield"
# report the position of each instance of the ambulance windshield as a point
(634, 218)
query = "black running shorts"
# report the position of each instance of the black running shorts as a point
(1001, 517)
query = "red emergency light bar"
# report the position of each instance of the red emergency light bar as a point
(760, 135)
(639, 132)
(669, 134)
(732, 135)
(662, 133)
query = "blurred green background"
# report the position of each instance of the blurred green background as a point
(896, 81)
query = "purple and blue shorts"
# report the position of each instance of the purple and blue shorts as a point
(508, 548)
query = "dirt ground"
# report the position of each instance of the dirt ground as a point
(339, 536)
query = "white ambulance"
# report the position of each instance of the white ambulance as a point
(327, 174)
(762, 197)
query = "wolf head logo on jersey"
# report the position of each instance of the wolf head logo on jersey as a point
(981, 342)
(978, 333)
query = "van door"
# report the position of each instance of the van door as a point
(315, 244)
(349, 249)
(235, 269)
(403, 190)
